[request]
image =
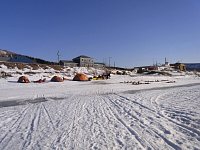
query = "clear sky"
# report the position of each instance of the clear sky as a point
(131, 32)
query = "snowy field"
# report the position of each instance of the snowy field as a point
(101, 115)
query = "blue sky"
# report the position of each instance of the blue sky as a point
(132, 32)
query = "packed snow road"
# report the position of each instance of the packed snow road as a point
(150, 119)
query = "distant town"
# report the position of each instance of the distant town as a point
(87, 61)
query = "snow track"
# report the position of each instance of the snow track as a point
(155, 119)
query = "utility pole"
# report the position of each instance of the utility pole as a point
(104, 60)
(58, 54)
(153, 62)
(109, 60)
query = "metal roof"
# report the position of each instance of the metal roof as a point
(82, 56)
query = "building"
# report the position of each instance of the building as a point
(99, 65)
(68, 63)
(145, 69)
(178, 66)
(84, 61)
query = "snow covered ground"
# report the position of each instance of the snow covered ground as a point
(104, 114)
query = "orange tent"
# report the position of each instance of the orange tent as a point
(23, 79)
(80, 77)
(57, 79)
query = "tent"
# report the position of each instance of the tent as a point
(57, 79)
(80, 77)
(23, 79)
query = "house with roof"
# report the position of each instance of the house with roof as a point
(178, 66)
(82, 61)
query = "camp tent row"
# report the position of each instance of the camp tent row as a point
(78, 77)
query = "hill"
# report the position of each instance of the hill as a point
(193, 66)
(9, 56)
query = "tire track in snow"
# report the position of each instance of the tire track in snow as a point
(141, 143)
(73, 131)
(184, 132)
(36, 129)
(62, 138)
(9, 134)
(101, 121)
(125, 98)
(138, 124)
(99, 125)
(6, 121)
(192, 131)
(151, 130)
(48, 115)
(103, 127)
(35, 117)
(109, 123)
